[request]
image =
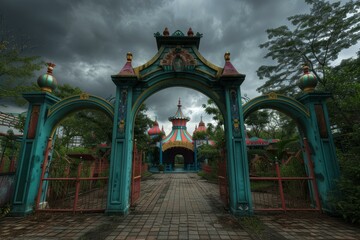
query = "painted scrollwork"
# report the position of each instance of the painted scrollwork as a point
(122, 111)
(178, 59)
(234, 111)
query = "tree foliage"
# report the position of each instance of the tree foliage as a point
(344, 84)
(257, 121)
(16, 67)
(142, 124)
(215, 132)
(315, 38)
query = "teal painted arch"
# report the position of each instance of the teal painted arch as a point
(198, 82)
(76, 103)
(290, 106)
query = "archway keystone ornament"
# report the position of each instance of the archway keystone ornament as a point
(178, 62)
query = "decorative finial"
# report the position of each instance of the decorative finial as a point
(50, 67)
(200, 118)
(129, 56)
(190, 33)
(166, 32)
(306, 68)
(179, 104)
(47, 82)
(308, 80)
(227, 56)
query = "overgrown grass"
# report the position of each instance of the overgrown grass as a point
(211, 177)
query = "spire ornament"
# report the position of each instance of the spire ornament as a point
(227, 57)
(190, 33)
(166, 32)
(308, 81)
(47, 82)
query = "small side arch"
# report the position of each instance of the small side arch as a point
(290, 106)
(75, 103)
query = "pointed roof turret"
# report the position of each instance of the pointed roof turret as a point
(229, 69)
(201, 128)
(179, 136)
(230, 76)
(127, 69)
(179, 115)
(155, 130)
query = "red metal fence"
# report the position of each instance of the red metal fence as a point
(285, 193)
(136, 175)
(79, 186)
(223, 181)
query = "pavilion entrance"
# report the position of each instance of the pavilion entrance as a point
(179, 162)
(178, 159)
(178, 63)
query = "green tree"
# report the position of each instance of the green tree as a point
(142, 124)
(16, 67)
(316, 38)
(344, 107)
(344, 84)
(215, 132)
(66, 90)
(280, 126)
(211, 109)
(257, 121)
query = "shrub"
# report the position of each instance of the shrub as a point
(346, 198)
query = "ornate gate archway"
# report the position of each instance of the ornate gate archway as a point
(310, 113)
(177, 63)
(44, 113)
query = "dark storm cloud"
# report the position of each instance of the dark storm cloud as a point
(88, 40)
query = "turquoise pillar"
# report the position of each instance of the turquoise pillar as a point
(31, 156)
(322, 147)
(240, 201)
(161, 158)
(195, 156)
(118, 201)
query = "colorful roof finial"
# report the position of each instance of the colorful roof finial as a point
(162, 130)
(308, 81)
(127, 70)
(190, 33)
(47, 82)
(229, 69)
(227, 57)
(129, 56)
(166, 32)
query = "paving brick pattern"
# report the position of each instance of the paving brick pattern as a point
(175, 206)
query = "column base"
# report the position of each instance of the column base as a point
(121, 212)
(242, 210)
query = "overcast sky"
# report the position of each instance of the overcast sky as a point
(88, 40)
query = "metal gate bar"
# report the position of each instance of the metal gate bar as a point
(269, 201)
(136, 176)
(222, 179)
(72, 194)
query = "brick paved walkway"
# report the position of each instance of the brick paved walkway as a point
(175, 206)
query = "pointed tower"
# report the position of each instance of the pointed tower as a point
(179, 135)
(155, 130)
(178, 144)
(201, 128)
